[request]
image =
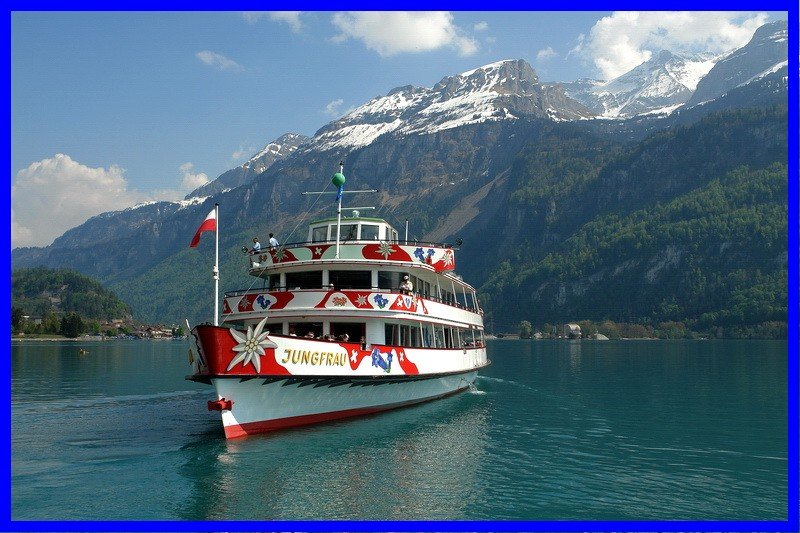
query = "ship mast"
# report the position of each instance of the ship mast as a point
(339, 204)
(338, 180)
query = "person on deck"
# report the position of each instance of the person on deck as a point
(406, 287)
(273, 242)
(256, 246)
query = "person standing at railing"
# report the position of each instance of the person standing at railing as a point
(256, 246)
(273, 242)
(406, 287)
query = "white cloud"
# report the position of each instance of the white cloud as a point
(292, 18)
(58, 193)
(253, 16)
(546, 53)
(481, 26)
(190, 181)
(334, 108)
(625, 39)
(217, 60)
(393, 32)
(242, 152)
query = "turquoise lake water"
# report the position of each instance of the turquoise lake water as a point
(574, 430)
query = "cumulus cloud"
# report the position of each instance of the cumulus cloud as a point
(253, 16)
(546, 53)
(191, 181)
(58, 193)
(217, 60)
(395, 32)
(481, 26)
(292, 18)
(619, 42)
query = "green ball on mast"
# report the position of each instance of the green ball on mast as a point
(338, 179)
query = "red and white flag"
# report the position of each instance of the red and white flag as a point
(209, 224)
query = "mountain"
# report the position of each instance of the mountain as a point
(765, 55)
(512, 166)
(658, 85)
(505, 90)
(683, 226)
(280, 148)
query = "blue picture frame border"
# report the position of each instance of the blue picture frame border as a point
(793, 435)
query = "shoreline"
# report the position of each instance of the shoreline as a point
(88, 339)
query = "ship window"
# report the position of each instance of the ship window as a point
(389, 281)
(354, 330)
(351, 279)
(274, 281)
(423, 288)
(392, 336)
(302, 329)
(348, 232)
(369, 232)
(304, 280)
(319, 234)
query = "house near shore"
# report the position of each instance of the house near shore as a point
(572, 331)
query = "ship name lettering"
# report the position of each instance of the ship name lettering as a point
(307, 357)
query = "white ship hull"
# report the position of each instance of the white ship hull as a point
(294, 381)
(260, 405)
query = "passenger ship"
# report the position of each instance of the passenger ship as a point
(329, 334)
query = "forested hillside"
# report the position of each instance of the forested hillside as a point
(689, 225)
(37, 291)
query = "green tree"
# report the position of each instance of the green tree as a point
(525, 330)
(50, 323)
(17, 319)
(72, 325)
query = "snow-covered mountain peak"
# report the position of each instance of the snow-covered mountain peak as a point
(281, 147)
(502, 77)
(764, 54)
(660, 84)
(504, 90)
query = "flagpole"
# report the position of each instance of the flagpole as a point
(216, 266)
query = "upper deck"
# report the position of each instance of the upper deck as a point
(360, 240)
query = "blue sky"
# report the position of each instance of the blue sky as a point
(145, 106)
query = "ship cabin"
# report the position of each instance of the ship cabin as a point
(349, 288)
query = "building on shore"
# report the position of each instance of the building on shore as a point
(572, 331)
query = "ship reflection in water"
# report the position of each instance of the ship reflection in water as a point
(415, 463)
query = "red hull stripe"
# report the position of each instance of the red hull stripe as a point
(252, 428)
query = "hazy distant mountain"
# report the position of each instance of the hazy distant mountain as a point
(658, 85)
(280, 148)
(765, 54)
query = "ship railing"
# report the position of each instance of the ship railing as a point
(409, 242)
(424, 296)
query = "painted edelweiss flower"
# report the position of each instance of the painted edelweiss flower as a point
(251, 346)
(385, 249)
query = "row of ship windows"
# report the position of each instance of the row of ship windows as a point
(350, 232)
(362, 280)
(407, 335)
